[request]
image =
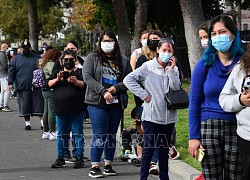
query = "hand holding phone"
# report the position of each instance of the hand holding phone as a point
(201, 155)
(65, 75)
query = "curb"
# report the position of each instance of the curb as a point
(182, 171)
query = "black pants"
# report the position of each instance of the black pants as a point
(244, 146)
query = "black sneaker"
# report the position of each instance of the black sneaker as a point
(6, 109)
(109, 171)
(59, 163)
(27, 128)
(85, 159)
(95, 172)
(79, 163)
(69, 159)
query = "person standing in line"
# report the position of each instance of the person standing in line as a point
(203, 34)
(5, 92)
(72, 45)
(158, 76)
(68, 88)
(210, 128)
(106, 96)
(30, 101)
(49, 122)
(235, 97)
(138, 52)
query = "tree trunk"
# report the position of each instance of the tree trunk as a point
(33, 24)
(140, 21)
(122, 26)
(192, 16)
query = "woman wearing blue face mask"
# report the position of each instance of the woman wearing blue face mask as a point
(157, 76)
(210, 128)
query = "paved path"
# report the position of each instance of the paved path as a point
(24, 155)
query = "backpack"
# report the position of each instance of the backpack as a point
(38, 80)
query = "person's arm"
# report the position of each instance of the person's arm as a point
(196, 97)
(75, 81)
(133, 60)
(119, 87)
(11, 74)
(173, 74)
(4, 61)
(89, 70)
(132, 80)
(55, 78)
(230, 95)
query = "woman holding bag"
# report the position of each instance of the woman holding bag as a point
(157, 76)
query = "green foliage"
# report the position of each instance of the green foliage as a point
(14, 18)
(104, 15)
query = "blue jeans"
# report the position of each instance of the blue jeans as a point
(155, 136)
(104, 123)
(64, 122)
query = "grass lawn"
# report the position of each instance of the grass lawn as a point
(181, 128)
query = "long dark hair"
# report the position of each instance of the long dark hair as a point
(210, 52)
(116, 53)
(245, 61)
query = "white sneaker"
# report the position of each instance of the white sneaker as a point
(46, 135)
(52, 136)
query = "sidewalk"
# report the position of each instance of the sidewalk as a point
(24, 155)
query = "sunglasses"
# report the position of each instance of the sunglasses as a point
(68, 59)
(72, 48)
(168, 40)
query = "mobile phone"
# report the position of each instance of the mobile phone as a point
(115, 100)
(246, 85)
(201, 155)
(65, 75)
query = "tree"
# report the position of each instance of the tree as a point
(193, 16)
(122, 26)
(14, 21)
(33, 24)
(140, 23)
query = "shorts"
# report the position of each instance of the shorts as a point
(30, 102)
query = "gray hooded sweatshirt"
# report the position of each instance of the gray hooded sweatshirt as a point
(229, 101)
(156, 81)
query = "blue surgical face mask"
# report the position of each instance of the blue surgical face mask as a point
(144, 42)
(164, 57)
(221, 42)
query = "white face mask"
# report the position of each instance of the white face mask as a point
(107, 46)
(144, 42)
(204, 43)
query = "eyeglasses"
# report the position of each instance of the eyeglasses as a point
(163, 40)
(108, 40)
(72, 48)
(68, 59)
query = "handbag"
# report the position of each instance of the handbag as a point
(177, 99)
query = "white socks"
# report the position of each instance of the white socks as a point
(42, 123)
(27, 123)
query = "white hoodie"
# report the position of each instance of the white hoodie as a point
(229, 101)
